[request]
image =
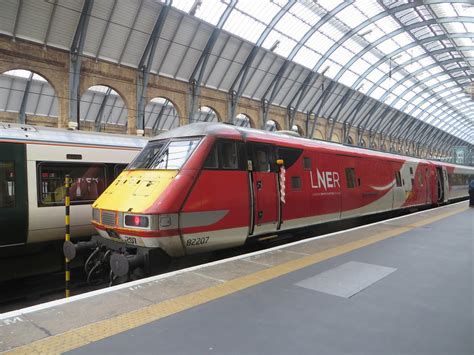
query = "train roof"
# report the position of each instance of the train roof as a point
(29, 134)
(231, 131)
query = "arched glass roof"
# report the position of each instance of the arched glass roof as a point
(379, 65)
(402, 53)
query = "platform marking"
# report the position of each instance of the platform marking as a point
(94, 332)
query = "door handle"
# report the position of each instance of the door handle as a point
(259, 184)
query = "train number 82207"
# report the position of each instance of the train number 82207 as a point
(197, 241)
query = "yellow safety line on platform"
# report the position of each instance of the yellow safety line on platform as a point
(91, 333)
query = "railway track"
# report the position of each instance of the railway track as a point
(38, 289)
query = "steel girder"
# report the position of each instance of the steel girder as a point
(24, 100)
(158, 118)
(195, 79)
(339, 107)
(75, 56)
(50, 22)
(17, 18)
(144, 66)
(98, 117)
(300, 94)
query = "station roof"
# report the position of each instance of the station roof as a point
(383, 64)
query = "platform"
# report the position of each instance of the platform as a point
(401, 286)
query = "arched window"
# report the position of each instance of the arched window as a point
(206, 114)
(25, 88)
(101, 105)
(271, 126)
(161, 115)
(242, 120)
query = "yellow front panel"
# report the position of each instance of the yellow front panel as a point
(135, 190)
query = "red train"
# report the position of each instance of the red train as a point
(209, 186)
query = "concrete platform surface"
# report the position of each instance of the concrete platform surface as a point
(402, 286)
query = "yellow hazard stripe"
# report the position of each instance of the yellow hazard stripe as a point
(91, 333)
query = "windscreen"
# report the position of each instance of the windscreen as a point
(165, 154)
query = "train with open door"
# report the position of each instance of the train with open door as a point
(33, 164)
(209, 186)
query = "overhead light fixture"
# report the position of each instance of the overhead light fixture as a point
(325, 70)
(275, 45)
(366, 32)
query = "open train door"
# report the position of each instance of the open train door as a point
(442, 184)
(264, 189)
(13, 194)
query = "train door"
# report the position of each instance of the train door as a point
(399, 195)
(445, 184)
(441, 183)
(428, 186)
(351, 186)
(265, 189)
(13, 194)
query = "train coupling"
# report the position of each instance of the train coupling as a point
(71, 250)
(151, 261)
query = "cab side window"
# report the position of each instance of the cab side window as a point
(226, 155)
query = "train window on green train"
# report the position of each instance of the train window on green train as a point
(350, 178)
(88, 182)
(7, 184)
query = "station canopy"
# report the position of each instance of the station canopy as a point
(373, 65)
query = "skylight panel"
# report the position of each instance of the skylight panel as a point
(211, 11)
(306, 13)
(416, 112)
(360, 66)
(413, 67)
(370, 8)
(377, 93)
(375, 75)
(307, 57)
(342, 55)
(244, 26)
(417, 100)
(320, 42)
(351, 16)
(409, 95)
(399, 89)
(398, 105)
(184, 5)
(444, 10)
(328, 5)
(292, 26)
(263, 10)
(455, 27)
(387, 46)
(331, 31)
(402, 39)
(426, 61)
(348, 78)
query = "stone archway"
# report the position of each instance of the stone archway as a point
(272, 126)
(41, 100)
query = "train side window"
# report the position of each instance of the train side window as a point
(296, 183)
(307, 163)
(88, 182)
(227, 155)
(350, 178)
(7, 184)
(411, 170)
(398, 178)
(262, 157)
(118, 168)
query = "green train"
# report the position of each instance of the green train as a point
(33, 164)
